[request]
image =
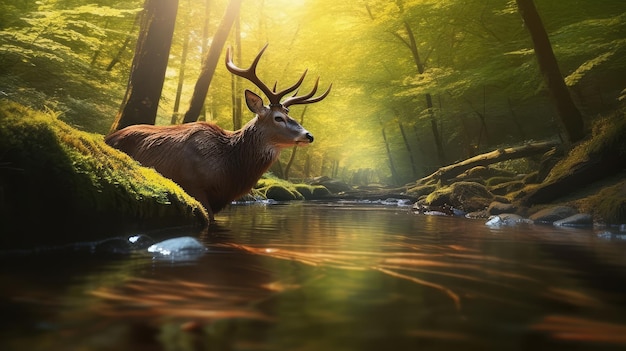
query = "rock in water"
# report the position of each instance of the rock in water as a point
(577, 220)
(506, 219)
(183, 248)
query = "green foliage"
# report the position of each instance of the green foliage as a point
(49, 58)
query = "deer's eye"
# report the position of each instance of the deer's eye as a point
(279, 119)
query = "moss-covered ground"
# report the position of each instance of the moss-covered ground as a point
(58, 184)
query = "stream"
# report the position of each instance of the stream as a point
(323, 276)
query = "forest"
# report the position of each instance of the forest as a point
(417, 84)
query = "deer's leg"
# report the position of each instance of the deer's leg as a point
(211, 216)
(202, 198)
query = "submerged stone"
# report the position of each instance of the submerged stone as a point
(506, 219)
(467, 196)
(185, 247)
(551, 214)
(577, 220)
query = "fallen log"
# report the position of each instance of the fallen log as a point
(499, 155)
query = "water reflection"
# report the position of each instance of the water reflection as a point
(327, 276)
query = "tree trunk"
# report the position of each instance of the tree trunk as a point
(210, 61)
(570, 116)
(147, 74)
(292, 157)
(307, 166)
(236, 82)
(181, 77)
(412, 44)
(392, 167)
(451, 171)
(408, 149)
(205, 27)
(118, 56)
(520, 129)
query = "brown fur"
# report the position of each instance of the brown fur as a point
(213, 165)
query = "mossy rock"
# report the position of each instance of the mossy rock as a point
(608, 141)
(278, 189)
(281, 193)
(467, 196)
(599, 157)
(61, 185)
(312, 192)
(608, 205)
(333, 185)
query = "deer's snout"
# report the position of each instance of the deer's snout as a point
(309, 136)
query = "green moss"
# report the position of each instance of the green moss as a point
(608, 205)
(468, 196)
(278, 189)
(608, 137)
(57, 178)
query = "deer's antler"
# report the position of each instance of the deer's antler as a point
(272, 95)
(308, 98)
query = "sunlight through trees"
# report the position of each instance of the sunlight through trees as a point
(444, 80)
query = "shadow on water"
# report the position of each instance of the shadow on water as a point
(313, 276)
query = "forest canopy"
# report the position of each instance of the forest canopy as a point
(472, 59)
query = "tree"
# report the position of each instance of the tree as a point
(569, 114)
(181, 77)
(117, 57)
(236, 81)
(419, 63)
(145, 83)
(292, 157)
(209, 62)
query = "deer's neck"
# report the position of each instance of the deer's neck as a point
(255, 153)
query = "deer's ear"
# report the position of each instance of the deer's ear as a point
(254, 102)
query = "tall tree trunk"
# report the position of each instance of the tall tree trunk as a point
(236, 81)
(408, 149)
(205, 48)
(292, 157)
(520, 129)
(569, 114)
(307, 166)
(96, 53)
(210, 61)
(145, 83)
(205, 27)
(118, 56)
(412, 44)
(181, 77)
(392, 167)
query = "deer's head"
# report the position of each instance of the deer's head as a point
(274, 119)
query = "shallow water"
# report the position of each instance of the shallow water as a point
(315, 276)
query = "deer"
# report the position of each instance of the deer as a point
(214, 165)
